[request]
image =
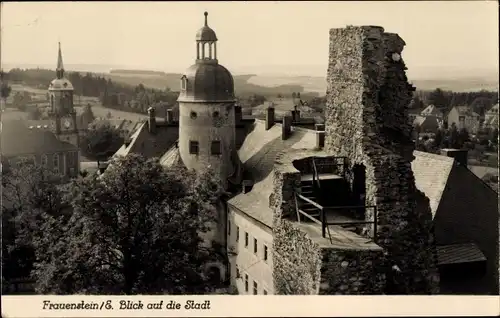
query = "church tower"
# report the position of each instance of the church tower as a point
(62, 111)
(206, 111)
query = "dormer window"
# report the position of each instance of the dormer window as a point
(183, 82)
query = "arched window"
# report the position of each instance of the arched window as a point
(55, 163)
(52, 100)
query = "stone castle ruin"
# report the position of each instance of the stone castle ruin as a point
(372, 232)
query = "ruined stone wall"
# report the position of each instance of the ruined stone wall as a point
(351, 273)
(301, 266)
(366, 119)
(296, 261)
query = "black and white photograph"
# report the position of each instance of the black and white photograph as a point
(250, 148)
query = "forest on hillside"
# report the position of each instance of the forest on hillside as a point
(136, 94)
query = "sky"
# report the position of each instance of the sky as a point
(443, 37)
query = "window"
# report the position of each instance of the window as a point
(71, 171)
(183, 83)
(265, 292)
(265, 252)
(246, 282)
(255, 288)
(229, 227)
(71, 157)
(44, 161)
(237, 233)
(193, 115)
(255, 246)
(215, 150)
(193, 147)
(215, 114)
(55, 163)
(246, 239)
(237, 271)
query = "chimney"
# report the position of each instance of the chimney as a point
(295, 114)
(460, 155)
(247, 186)
(238, 115)
(269, 118)
(152, 120)
(287, 127)
(169, 116)
(320, 136)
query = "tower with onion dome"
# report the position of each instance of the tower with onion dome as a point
(206, 111)
(62, 111)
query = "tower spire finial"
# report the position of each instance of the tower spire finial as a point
(60, 66)
(206, 18)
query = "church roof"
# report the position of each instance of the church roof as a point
(18, 139)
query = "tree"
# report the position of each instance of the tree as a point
(438, 139)
(481, 104)
(440, 99)
(5, 89)
(88, 114)
(98, 144)
(416, 103)
(34, 113)
(134, 230)
(27, 190)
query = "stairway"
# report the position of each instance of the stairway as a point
(307, 190)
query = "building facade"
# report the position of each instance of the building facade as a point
(464, 118)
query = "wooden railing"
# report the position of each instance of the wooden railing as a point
(323, 213)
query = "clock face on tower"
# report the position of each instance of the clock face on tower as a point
(67, 124)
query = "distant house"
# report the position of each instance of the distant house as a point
(464, 117)
(465, 216)
(432, 111)
(491, 118)
(40, 146)
(428, 124)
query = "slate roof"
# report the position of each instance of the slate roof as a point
(151, 145)
(427, 123)
(459, 253)
(431, 175)
(257, 154)
(17, 139)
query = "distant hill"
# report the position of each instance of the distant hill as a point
(318, 84)
(136, 72)
(242, 85)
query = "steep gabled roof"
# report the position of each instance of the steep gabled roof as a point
(431, 110)
(431, 175)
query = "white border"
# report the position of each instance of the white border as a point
(264, 306)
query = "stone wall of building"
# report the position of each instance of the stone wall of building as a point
(351, 272)
(366, 119)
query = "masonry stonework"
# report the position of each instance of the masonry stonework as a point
(304, 265)
(366, 119)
